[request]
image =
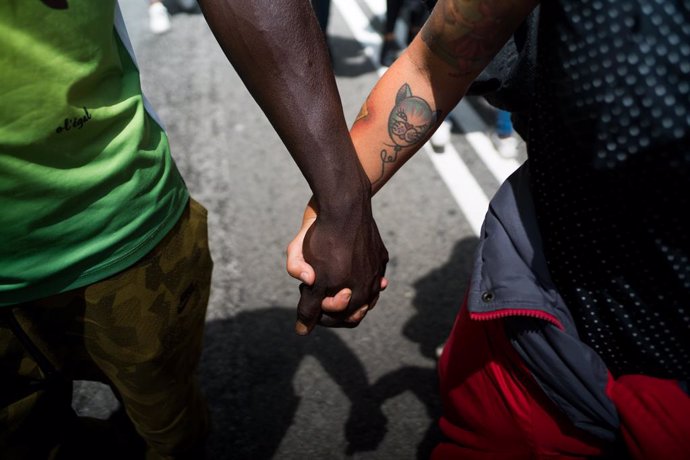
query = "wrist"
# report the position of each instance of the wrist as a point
(346, 201)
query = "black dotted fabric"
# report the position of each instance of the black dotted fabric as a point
(609, 148)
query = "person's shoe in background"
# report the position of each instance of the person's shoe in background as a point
(159, 19)
(441, 136)
(504, 137)
(506, 146)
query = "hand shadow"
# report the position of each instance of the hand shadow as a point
(439, 296)
(247, 372)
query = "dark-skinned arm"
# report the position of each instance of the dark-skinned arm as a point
(280, 54)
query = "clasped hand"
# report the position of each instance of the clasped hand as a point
(341, 261)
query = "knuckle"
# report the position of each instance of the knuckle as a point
(291, 268)
(351, 320)
(328, 321)
(290, 247)
(305, 315)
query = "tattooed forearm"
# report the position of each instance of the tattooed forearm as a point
(466, 33)
(408, 125)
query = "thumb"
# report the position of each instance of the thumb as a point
(296, 266)
(308, 310)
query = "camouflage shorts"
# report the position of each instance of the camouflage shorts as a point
(139, 331)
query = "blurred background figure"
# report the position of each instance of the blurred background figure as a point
(322, 8)
(417, 12)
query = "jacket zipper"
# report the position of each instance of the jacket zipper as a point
(505, 313)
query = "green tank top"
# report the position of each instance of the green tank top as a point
(87, 183)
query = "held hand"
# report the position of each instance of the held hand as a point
(299, 269)
(345, 274)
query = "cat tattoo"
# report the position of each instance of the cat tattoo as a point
(408, 124)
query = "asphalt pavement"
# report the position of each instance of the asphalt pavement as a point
(365, 393)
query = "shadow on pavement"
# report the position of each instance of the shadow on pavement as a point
(247, 371)
(250, 360)
(438, 298)
(439, 295)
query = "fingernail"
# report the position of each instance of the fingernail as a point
(301, 328)
(303, 277)
(358, 315)
(347, 296)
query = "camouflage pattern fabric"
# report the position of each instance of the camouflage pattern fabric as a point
(139, 331)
